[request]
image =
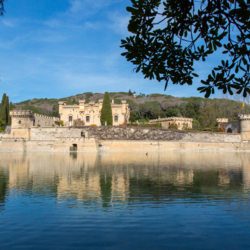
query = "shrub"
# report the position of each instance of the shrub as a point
(61, 123)
(38, 125)
(173, 126)
(221, 130)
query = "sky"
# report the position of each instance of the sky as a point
(59, 48)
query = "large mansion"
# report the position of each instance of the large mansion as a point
(86, 114)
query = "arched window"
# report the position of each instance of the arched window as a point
(70, 118)
(19, 122)
(116, 118)
(87, 118)
(229, 130)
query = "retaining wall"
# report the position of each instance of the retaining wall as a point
(131, 133)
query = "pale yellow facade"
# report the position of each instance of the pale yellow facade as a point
(86, 114)
(182, 123)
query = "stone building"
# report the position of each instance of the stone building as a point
(182, 123)
(86, 114)
(23, 120)
(228, 127)
(28, 119)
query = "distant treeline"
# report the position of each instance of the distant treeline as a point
(203, 111)
(145, 107)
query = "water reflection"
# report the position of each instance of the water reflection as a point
(120, 178)
(125, 200)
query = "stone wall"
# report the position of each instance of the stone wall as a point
(131, 133)
(157, 146)
(182, 123)
(44, 121)
(27, 119)
(232, 127)
(60, 145)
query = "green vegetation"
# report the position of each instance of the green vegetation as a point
(33, 109)
(169, 36)
(117, 101)
(203, 111)
(145, 125)
(106, 112)
(168, 96)
(88, 94)
(156, 95)
(173, 126)
(5, 118)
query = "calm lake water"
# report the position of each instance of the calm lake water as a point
(124, 201)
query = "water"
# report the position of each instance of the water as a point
(124, 201)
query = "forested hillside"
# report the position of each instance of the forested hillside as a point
(203, 111)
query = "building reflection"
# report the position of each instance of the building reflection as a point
(111, 179)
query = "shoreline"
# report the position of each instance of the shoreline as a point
(93, 145)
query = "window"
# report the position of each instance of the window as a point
(116, 118)
(87, 118)
(34, 122)
(179, 124)
(19, 122)
(70, 118)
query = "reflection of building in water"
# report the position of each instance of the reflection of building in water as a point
(111, 178)
(120, 187)
(246, 171)
(79, 187)
(19, 174)
(224, 179)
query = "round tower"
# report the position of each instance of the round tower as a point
(244, 127)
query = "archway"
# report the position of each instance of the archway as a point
(229, 129)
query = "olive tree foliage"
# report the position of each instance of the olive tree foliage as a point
(166, 43)
(1, 7)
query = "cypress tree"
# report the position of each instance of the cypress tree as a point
(106, 112)
(3, 109)
(11, 106)
(7, 109)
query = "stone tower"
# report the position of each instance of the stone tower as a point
(244, 127)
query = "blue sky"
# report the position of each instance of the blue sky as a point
(58, 48)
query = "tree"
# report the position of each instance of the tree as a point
(55, 110)
(3, 109)
(130, 92)
(7, 111)
(2, 125)
(172, 112)
(11, 106)
(190, 33)
(208, 117)
(1, 7)
(106, 111)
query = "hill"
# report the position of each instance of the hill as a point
(203, 111)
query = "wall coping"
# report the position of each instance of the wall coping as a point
(171, 119)
(244, 117)
(29, 113)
